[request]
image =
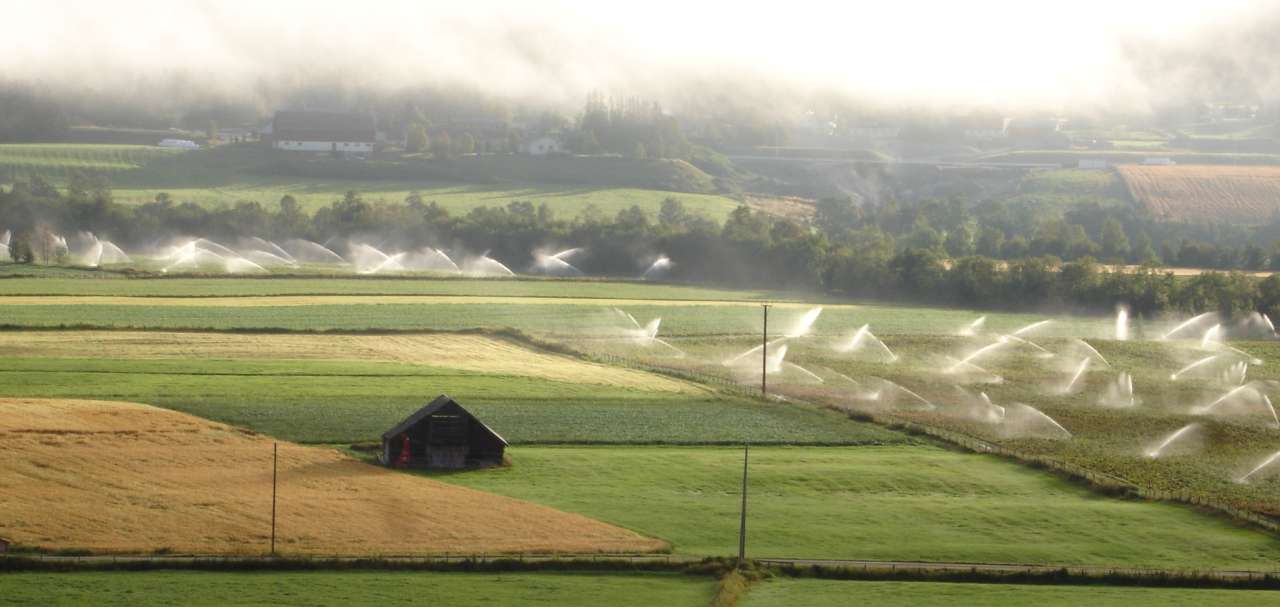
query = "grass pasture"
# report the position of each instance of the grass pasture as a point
(73, 282)
(54, 161)
(457, 198)
(474, 353)
(340, 589)
(1068, 186)
(1105, 437)
(568, 317)
(780, 592)
(333, 389)
(123, 477)
(889, 503)
(1216, 193)
(226, 175)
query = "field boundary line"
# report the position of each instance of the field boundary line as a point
(920, 571)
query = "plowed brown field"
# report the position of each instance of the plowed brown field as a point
(124, 477)
(1231, 194)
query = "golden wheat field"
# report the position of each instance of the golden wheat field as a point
(479, 353)
(1217, 193)
(130, 478)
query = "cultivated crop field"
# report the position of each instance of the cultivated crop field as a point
(56, 160)
(1217, 193)
(226, 175)
(887, 503)
(927, 384)
(97, 476)
(826, 593)
(340, 589)
(566, 316)
(89, 282)
(475, 353)
(457, 198)
(333, 389)
(844, 489)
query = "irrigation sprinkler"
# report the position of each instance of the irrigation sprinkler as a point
(742, 521)
(764, 354)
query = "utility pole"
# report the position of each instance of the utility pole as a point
(742, 522)
(764, 355)
(275, 456)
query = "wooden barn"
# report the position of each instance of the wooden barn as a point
(442, 435)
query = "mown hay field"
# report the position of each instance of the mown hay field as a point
(345, 588)
(1212, 193)
(901, 502)
(779, 592)
(124, 477)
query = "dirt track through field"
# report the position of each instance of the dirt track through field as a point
(478, 353)
(124, 477)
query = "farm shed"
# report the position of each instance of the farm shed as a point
(442, 435)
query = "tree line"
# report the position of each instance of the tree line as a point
(997, 229)
(749, 249)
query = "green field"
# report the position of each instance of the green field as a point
(54, 161)
(825, 593)
(583, 318)
(544, 306)
(232, 287)
(353, 588)
(223, 176)
(355, 401)
(881, 495)
(457, 198)
(1108, 439)
(887, 503)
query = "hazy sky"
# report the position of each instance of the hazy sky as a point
(1029, 51)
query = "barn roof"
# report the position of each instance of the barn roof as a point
(324, 125)
(439, 403)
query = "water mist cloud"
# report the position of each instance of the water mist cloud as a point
(553, 52)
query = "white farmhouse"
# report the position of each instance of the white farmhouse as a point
(183, 144)
(542, 146)
(334, 132)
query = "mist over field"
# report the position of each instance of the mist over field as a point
(1093, 56)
